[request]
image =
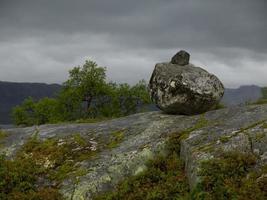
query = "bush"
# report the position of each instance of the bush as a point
(18, 180)
(86, 94)
(30, 112)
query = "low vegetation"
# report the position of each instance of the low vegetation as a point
(115, 139)
(18, 181)
(264, 92)
(218, 106)
(39, 167)
(263, 99)
(231, 176)
(85, 95)
(260, 101)
(3, 135)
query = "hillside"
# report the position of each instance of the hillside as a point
(13, 94)
(241, 95)
(105, 153)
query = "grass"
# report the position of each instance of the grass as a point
(225, 139)
(260, 102)
(3, 135)
(218, 106)
(49, 161)
(93, 120)
(19, 178)
(231, 176)
(115, 139)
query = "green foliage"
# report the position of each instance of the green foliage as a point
(18, 180)
(92, 120)
(264, 92)
(116, 139)
(50, 161)
(230, 176)
(24, 114)
(85, 95)
(88, 80)
(2, 134)
(263, 99)
(225, 139)
(85, 84)
(260, 101)
(40, 112)
(46, 111)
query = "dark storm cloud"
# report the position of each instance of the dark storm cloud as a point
(49, 37)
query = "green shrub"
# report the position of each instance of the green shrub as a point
(39, 112)
(85, 95)
(18, 180)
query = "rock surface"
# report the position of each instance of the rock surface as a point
(239, 128)
(186, 89)
(181, 58)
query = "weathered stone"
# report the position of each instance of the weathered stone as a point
(184, 89)
(181, 58)
(145, 134)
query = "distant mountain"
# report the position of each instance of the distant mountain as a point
(12, 94)
(241, 95)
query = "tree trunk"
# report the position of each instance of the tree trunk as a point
(88, 100)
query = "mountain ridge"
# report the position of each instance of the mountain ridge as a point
(13, 93)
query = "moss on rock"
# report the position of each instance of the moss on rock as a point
(232, 175)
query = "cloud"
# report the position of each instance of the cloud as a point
(41, 40)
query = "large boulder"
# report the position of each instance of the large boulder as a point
(184, 88)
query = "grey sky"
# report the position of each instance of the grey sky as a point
(40, 40)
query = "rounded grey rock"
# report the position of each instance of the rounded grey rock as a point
(181, 58)
(184, 89)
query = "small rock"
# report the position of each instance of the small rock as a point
(181, 58)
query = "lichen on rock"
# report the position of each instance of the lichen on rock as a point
(138, 138)
(182, 88)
